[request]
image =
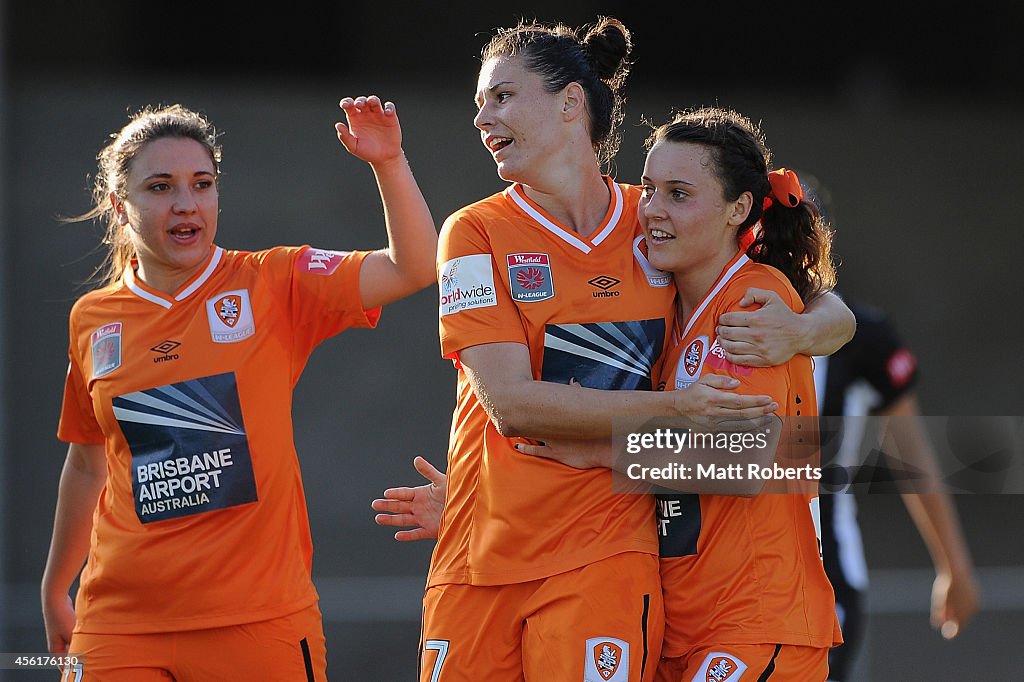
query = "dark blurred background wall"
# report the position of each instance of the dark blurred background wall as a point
(911, 119)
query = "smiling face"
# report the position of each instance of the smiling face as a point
(520, 123)
(169, 210)
(689, 224)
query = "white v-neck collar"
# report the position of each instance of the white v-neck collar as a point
(140, 290)
(722, 281)
(516, 193)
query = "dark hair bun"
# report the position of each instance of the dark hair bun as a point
(607, 45)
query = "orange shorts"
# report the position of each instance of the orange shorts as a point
(729, 663)
(288, 648)
(602, 622)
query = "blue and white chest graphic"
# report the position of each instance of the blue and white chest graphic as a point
(605, 355)
(190, 453)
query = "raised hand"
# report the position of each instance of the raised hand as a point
(372, 132)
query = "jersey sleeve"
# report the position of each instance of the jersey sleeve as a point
(474, 307)
(772, 381)
(77, 419)
(882, 358)
(791, 386)
(320, 289)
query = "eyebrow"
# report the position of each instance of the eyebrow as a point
(492, 88)
(672, 182)
(154, 176)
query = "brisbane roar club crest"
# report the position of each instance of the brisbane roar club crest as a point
(691, 362)
(720, 667)
(229, 308)
(607, 660)
(529, 276)
(230, 316)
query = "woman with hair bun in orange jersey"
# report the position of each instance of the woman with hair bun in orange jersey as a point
(556, 321)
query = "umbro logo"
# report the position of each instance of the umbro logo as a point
(605, 284)
(164, 348)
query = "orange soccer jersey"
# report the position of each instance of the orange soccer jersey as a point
(589, 309)
(743, 570)
(202, 522)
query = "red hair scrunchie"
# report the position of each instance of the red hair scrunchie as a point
(786, 189)
(749, 237)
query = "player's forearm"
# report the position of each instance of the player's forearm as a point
(78, 492)
(412, 236)
(538, 409)
(827, 325)
(936, 520)
(926, 499)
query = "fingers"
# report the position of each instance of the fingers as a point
(345, 135)
(720, 402)
(405, 520)
(755, 296)
(56, 645)
(733, 319)
(534, 450)
(414, 534)
(397, 495)
(371, 103)
(428, 471)
(743, 407)
(719, 381)
(363, 104)
(735, 343)
(758, 297)
(748, 360)
(390, 506)
(734, 401)
(742, 412)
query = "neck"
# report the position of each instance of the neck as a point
(164, 278)
(694, 284)
(577, 197)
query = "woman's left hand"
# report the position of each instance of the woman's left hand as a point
(372, 133)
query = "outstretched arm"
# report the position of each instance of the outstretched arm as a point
(406, 265)
(418, 507)
(955, 590)
(82, 479)
(773, 333)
